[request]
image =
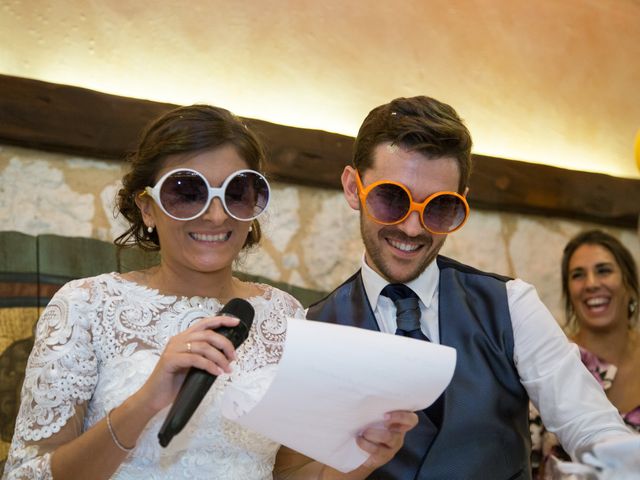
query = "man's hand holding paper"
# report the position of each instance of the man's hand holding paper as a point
(382, 442)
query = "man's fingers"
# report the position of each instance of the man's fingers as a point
(380, 436)
(400, 421)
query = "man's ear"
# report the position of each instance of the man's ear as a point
(350, 187)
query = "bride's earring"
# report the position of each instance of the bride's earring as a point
(150, 229)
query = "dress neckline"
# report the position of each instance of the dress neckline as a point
(266, 291)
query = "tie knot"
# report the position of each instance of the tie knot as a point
(407, 309)
(398, 291)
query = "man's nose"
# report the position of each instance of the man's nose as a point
(412, 225)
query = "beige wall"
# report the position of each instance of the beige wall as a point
(547, 81)
(311, 239)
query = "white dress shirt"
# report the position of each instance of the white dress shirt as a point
(570, 401)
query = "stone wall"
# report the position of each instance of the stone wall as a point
(311, 236)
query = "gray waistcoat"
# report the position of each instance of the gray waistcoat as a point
(485, 431)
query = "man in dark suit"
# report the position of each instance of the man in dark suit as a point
(412, 162)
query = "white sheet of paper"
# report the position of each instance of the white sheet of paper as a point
(334, 381)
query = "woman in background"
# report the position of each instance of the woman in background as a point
(112, 351)
(600, 291)
(600, 287)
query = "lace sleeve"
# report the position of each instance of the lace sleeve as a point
(291, 306)
(60, 378)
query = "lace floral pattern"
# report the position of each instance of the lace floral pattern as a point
(97, 342)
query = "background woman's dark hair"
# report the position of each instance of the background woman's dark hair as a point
(623, 259)
(182, 130)
(422, 124)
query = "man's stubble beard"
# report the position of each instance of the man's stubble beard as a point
(374, 253)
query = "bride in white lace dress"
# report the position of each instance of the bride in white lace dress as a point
(112, 351)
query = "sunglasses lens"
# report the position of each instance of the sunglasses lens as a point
(184, 194)
(246, 195)
(445, 213)
(388, 203)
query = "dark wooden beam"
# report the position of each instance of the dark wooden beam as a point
(74, 120)
(62, 118)
(522, 187)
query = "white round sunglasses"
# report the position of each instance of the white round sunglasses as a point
(185, 194)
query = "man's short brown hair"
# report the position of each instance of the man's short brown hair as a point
(420, 124)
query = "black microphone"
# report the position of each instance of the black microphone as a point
(197, 382)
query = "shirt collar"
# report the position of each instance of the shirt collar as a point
(425, 285)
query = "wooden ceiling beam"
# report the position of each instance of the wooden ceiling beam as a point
(67, 119)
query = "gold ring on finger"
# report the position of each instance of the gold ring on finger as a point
(188, 347)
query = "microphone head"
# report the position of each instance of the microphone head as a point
(243, 311)
(239, 308)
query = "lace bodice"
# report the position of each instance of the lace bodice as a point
(97, 342)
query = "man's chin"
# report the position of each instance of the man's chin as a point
(402, 274)
(405, 271)
(393, 265)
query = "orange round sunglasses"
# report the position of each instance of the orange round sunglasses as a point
(390, 203)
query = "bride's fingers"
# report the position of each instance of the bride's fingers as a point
(212, 323)
(201, 362)
(210, 337)
(205, 350)
(201, 346)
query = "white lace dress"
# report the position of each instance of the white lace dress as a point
(98, 341)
